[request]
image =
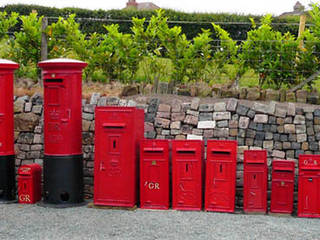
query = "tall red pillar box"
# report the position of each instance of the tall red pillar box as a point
(309, 186)
(29, 183)
(7, 158)
(221, 175)
(282, 186)
(187, 174)
(255, 181)
(154, 174)
(63, 160)
(118, 131)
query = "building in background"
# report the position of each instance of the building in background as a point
(298, 9)
(132, 4)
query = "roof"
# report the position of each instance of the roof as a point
(147, 6)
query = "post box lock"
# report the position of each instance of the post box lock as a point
(310, 179)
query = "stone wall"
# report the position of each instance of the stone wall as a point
(284, 129)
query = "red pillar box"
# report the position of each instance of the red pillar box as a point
(154, 174)
(282, 186)
(221, 176)
(7, 159)
(309, 186)
(187, 178)
(255, 182)
(118, 131)
(63, 160)
(29, 183)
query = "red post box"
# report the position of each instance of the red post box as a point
(187, 177)
(282, 186)
(118, 131)
(29, 183)
(255, 181)
(154, 174)
(7, 158)
(63, 160)
(221, 175)
(309, 186)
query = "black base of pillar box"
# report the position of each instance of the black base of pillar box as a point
(63, 181)
(7, 179)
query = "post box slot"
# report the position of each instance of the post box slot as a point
(153, 149)
(114, 125)
(54, 80)
(186, 150)
(221, 152)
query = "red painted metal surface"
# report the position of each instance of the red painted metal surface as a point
(154, 174)
(187, 174)
(255, 181)
(62, 80)
(282, 186)
(221, 175)
(29, 183)
(309, 186)
(118, 131)
(6, 107)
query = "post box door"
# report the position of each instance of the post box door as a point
(25, 189)
(115, 158)
(255, 190)
(154, 175)
(309, 187)
(221, 192)
(282, 195)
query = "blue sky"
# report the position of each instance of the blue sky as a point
(274, 7)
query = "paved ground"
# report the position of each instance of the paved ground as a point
(34, 222)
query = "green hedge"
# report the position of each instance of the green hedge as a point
(199, 20)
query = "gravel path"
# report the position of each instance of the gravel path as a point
(35, 222)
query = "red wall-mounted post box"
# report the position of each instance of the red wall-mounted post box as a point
(118, 131)
(7, 158)
(221, 175)
(282, 186)
(309, 186)
(187, 174)
(255, 181)
(29, 183)
(63, 159)
(154, 174)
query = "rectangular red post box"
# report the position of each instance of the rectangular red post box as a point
(187, 177)
(221, 175)
(29, 183)
(118, 131)
(255, 181)
(282, 186)
(154, 174)
(309, 186)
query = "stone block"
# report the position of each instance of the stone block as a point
(175, 131)
(178, 116)
(180, 137)
(86, 125)
(305, 146)
(290, 97)
(193, 113)
(253, 94)
(176, 107)
(264, 108)
(242, 110)
(286, 145)
(221, 132)
(28, 107)
(289, 128)
(233, 124)
(288, 120)
(205, 116)
(244, 122)
(299, 119)
(18, 106)
(310, 131)
(283, 137)
(206, 108)
(198, 132)
(233, 132)
(278, 154)
(89, 108)
(26, 122)
(268, 145)
(221, 116)
(301, 137)
(175, 125)
(194, 137)
(163, 115)
(260, 135)
(269, 136)
(222, 124)
(208, 133)
(251, 113)
(94, 98)
(280, 112)
(206, 124)
(261, 118)
(220, 107)
(153, 105)
(301, 96)
(161, 122)
(300, 129)
(272, 95)
(164, 108)
(232, 105)
(192, 120)
(195, 103)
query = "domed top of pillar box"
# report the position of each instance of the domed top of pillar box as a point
(63, 64)
(8, 65)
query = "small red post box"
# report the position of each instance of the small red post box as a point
(255, 181)
(63, 160)
(118, 131)
(282, 186)
(309, 186)
(7, 158)
(221, 175)
(187, 177)
(154, 174)
(29, 183)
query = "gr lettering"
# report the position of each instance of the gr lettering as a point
(152, 185)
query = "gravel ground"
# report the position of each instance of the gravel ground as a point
(35, 222)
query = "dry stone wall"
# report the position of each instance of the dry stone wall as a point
(284, 129)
